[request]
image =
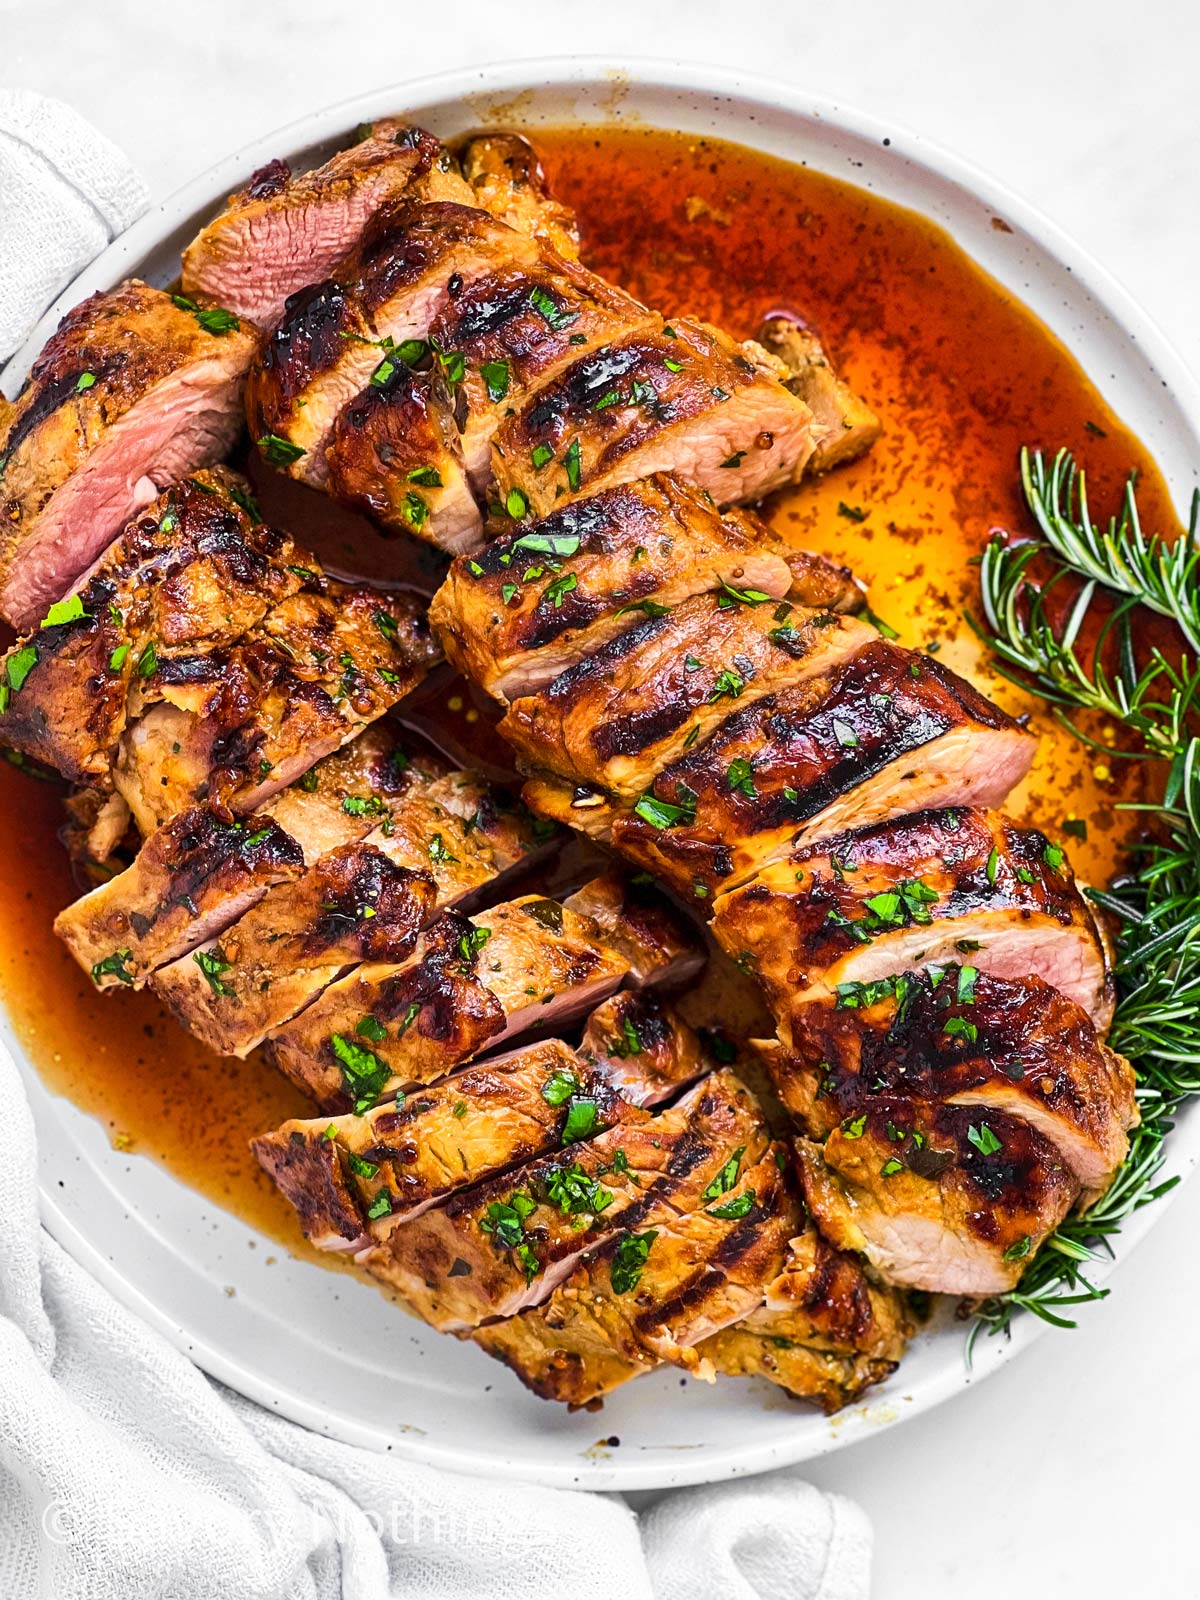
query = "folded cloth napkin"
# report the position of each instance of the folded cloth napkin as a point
(125, 1474)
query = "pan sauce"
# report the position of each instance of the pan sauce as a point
(962, 376)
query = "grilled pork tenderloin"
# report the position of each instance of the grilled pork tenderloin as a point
(133, 391)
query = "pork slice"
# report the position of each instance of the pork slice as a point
(507, 179)
(642, 701)
(240, 725)
(354, 905)
(687, 400)
(825, 1332)
(945, 1206)
(959, 1036)
(470, 984)
(188, 882)
(659, 945)
(400, 1158)
(920, 890)
(344, 795)
(641, 1298)
(505, 1244)
(886, 732)
(131, 393)
(281, 232)
(193, 572)
(849, 425)
(643, 1047)
(394, 455)
(632, 550)
(508, 334)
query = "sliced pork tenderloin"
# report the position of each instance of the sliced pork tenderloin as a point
(133, 391)
(932, 887)
(504, 1245)
(950, 1199)
(354, 905)
(825, 1333)
(281, 232)
(471, 983)
(644, 1297)
(394, 455)
(887, 732)
(417, 1149)
(192, 573)
(687, 400)
(507, 179)
(849, 425)
(190, 880)
(659, 945)
(643, 1047)
(632, 550)
(620, 716)
(957, 1036)
(239, 725)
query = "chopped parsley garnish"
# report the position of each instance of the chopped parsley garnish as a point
(727, 1177)
(86, 380)
(360, 1166)
(548, 544)
(573, 1192)
(729, 685)
(384, 372)
(113, 966)
(583, 1119)
(741, 1205)
(550, 312)
(884, 629)
(411, 351)
(1076, 827)
(1053, 856)
(496, 376)
(540, 455)
(212, 964)
(427, 477)
(743, 597)
(63, 611)
(381, 1206)
(472, 943)
(993, 864)
(966, 985)
(355, 805)
(649, 608)
(117, 660)
(516, 504)
(740, 778)
(147, 662)
(504, 1220)
(371, 1028)
(854, 1127)
(560, 586)
(891, 1167)
(213, 320)
(1019, 1249)
(414, 510)
(279, 452)
(661, 813)
(439, 851)
(559, 1087)
(735, 460)
(509, 592)
(961, 1028)
(851, 513)
(629, 1258)
(984, 1140)
(630, 1041)
(19, 665)
(571, 463)
(363, 1073)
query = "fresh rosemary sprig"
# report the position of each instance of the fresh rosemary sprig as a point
(1157, 903)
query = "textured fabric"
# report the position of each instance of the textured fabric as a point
(125, 1474)
(65, 192)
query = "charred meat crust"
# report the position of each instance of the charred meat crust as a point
(193, 572)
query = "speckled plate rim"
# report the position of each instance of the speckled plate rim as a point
(109, 1223)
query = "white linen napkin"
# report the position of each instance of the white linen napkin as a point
(126, 1474)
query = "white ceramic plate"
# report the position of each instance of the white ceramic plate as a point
(320, 1347)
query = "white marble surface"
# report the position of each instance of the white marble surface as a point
(1071, 1473)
